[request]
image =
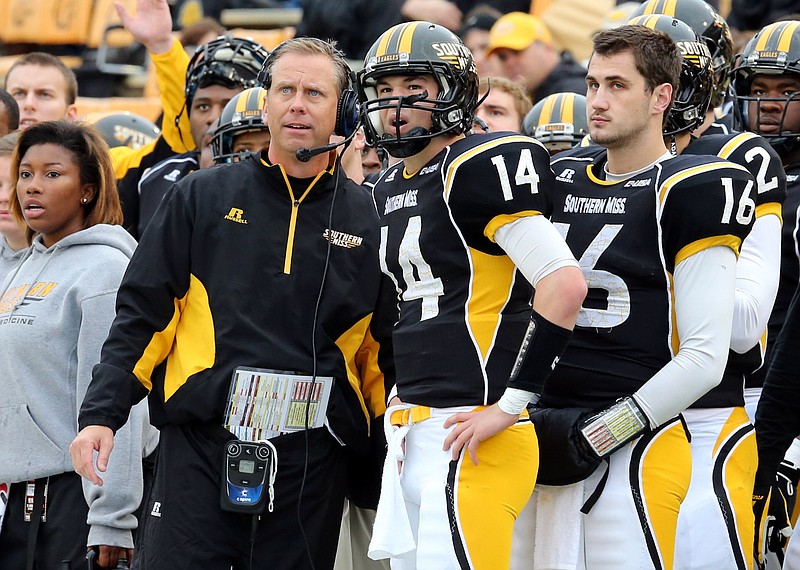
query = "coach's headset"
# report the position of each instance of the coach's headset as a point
(347, 109)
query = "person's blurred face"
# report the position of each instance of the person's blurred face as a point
(13, 231)
(776, 114)
(41, 93)
(5, 128)
(370, 160)
(477, 41)
(251, 141)
(207, 106)
(206, 153)
(499, 111)
(528, 67)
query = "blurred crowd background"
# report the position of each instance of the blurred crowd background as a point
(114, 72)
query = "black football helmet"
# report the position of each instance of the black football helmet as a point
(774, 50)
(228, 61)
(418, 48)
(690, 103)
(123, 128)
(242, 114)
(558, 121)
(712, 29)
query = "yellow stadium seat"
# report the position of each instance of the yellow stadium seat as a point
(267, 38)
(48, 22)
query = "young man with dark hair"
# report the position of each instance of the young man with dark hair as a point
(657, 241)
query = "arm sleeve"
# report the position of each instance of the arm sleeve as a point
(535, 247)
(171, 76)
(757, 276)
(111, 506)
(704, 297)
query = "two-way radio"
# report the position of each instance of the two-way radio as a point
(249, 468)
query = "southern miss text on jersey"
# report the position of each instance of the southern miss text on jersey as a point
(628, 236)
(756, 155)
(463, 306)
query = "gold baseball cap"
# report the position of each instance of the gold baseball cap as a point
(518, 30)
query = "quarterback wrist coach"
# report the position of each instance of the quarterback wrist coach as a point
(611, 428)
(573, 441)
(542, 346)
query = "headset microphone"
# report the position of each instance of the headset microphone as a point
(306, 154)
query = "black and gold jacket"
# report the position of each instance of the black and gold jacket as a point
(228, 275)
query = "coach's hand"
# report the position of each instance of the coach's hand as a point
(82, 448)
(471, 428)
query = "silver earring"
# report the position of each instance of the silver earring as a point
(84, 200)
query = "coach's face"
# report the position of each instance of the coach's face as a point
(301, 104)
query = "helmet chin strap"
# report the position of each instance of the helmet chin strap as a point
(400, 148)
(416, 139)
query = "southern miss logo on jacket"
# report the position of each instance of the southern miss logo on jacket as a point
(342, 239)
(628, 255)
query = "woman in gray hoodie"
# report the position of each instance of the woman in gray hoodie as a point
(55, 311)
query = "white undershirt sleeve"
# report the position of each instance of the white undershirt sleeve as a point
(535, 247)
(704, 297)
(757, 276)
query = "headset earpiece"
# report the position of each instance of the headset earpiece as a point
(347, 114)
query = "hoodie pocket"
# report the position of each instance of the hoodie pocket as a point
(25, 451)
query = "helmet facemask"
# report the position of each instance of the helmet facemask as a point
(451, 111)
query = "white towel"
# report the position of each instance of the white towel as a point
(559, 526)
(391, 534)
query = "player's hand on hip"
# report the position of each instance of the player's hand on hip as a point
(471, 428)
(82, 448)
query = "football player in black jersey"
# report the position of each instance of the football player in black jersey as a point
(767, 87)
(657, 238)
(464, 232)
(715, 527)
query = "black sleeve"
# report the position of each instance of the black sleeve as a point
(142, 333)
(778, 414)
